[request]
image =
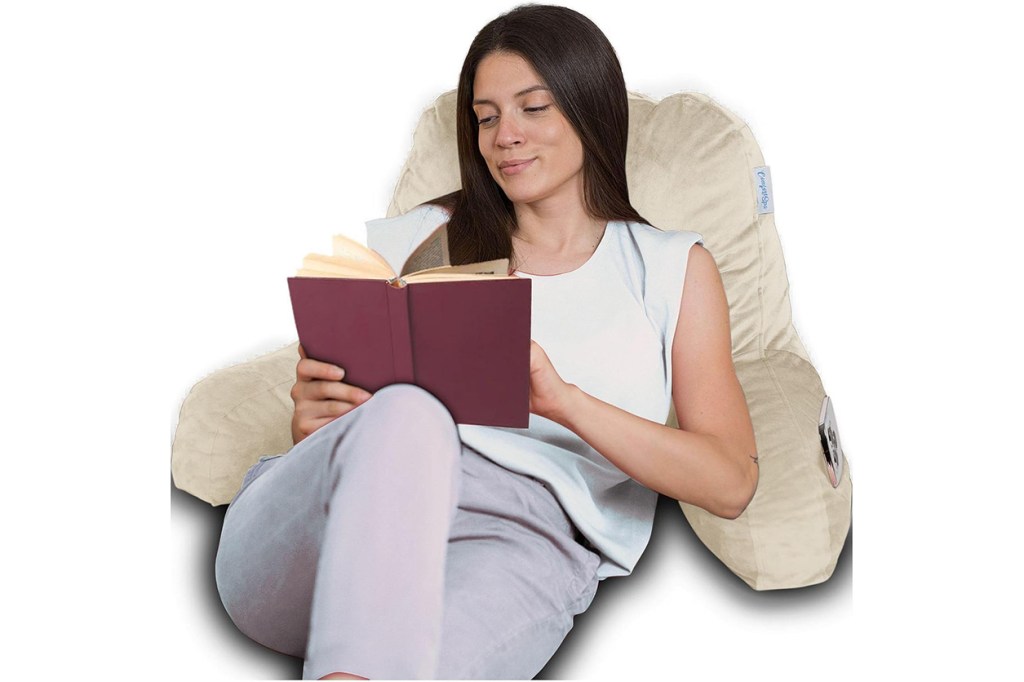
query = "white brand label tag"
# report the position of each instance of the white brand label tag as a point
(763, 189)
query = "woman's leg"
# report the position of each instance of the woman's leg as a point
(516, 576)
(336, 552)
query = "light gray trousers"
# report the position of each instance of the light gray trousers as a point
(383, 547)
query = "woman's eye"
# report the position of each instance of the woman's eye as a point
(537, 110)
(486, 121)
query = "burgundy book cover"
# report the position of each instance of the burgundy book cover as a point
(467, 343)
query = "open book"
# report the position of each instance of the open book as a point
(353, 260)
(460, 332)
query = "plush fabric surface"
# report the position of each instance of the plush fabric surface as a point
(794, 529)
(690, 166)
(229, 420)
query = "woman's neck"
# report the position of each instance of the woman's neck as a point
(556, 233)
(547, 243)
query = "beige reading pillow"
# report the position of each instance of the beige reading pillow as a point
(692, 165)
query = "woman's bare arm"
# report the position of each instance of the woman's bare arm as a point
(710, 460)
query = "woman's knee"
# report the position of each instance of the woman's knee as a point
(405, 411)
(402, 428)
(410, 402)
(282, 630)
(266, 589)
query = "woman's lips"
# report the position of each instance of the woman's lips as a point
(515, 166)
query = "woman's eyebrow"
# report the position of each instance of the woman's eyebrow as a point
(527, 91)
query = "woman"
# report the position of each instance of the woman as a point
(392, 543)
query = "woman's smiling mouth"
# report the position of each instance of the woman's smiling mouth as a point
(514, 166)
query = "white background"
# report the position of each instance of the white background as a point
(164, 166)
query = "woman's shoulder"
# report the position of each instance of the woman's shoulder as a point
(650, 233)
(655, 245)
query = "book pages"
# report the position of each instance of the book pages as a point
(432, 253)
(352, 251)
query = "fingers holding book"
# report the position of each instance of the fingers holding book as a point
(549, 393)
(320, 396)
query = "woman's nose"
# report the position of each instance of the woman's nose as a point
(509, 132)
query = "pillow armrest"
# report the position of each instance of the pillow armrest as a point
(795, 527)
(229, 420)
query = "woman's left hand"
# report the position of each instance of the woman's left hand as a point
(549, 395)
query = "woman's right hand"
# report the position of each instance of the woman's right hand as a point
(319, 395)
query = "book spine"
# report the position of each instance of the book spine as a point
(401, 338)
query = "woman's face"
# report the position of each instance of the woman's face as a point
(530, 148)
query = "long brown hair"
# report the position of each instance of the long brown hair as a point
(579, 65)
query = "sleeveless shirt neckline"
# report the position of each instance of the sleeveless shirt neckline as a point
(583, 266)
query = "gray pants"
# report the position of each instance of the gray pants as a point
(383, 547)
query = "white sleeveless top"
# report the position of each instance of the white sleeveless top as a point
(608, 328)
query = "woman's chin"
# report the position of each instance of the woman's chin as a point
(520, 194)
